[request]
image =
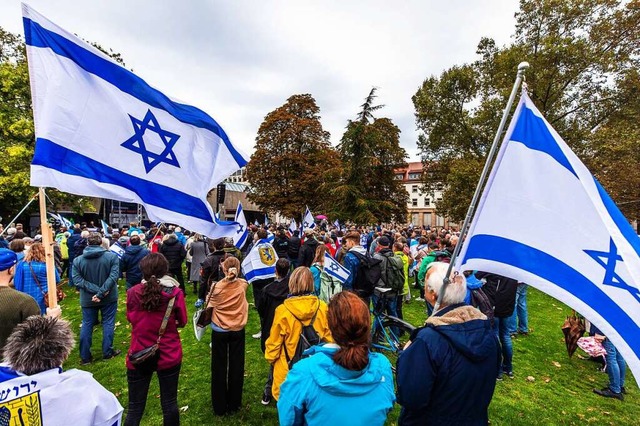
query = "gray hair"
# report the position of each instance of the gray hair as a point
(85, 234)
(38, 344)
(455, 292)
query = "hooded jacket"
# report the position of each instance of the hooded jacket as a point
(318, 391)
(273, 295)
(448, 373)
(130, 264)
(96, 272)
(145, 325)
(501, 291)
(174, 251)
(285, 333)
(307, 252)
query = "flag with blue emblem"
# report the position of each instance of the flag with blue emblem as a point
(307, 221)
(103, 131)
(260, 262)
(545, 220)
(242, 232)
(334, 269)
(293, 226)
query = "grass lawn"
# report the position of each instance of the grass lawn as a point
(559, 394)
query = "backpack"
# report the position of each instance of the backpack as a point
(368, 274)
(308, 337)
(394, 274)
(443, 256)
(328, 286)
(480, 300)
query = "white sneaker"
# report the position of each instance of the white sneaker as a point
(257, 335)
(419, 299)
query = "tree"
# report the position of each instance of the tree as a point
(17, 140)
(582, 53)
(292, 154)
(366, 190)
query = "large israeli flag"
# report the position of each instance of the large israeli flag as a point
(103, 131)
(260, 262)
(545, 220)
(334, 269)
(242, 232)
(307, 221)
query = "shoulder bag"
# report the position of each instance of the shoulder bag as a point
(146, 354)
(60, 295)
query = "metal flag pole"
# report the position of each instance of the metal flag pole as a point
(47, 242)
(522, 68)
(18, 215)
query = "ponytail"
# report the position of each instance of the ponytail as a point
(353, 357)
(151, 297)
(232, 274)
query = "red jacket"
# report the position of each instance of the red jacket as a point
(145, 325)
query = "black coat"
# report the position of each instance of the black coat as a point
(211, 272)
(281, 246)
(307, 252)
(174, 251)
(294, 247)
(130, 264)
(501, 292)
(274, 294)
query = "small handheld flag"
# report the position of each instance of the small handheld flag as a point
(336, 270)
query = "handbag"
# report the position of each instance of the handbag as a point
(140, 357)
(573, 329)
(60, 295)
(202, 317)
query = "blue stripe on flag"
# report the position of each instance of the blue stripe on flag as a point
(258, 273)
(619, 219)
(125, 80)
(242, 239)
(539, 263)
(56, 157)
(532, 131)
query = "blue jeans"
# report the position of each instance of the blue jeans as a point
(519, 321)
(501, 328)
(390, 307)
(89, 320)
(616, 366)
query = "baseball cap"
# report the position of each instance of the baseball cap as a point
(7, 259)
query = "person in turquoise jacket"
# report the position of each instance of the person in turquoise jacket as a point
(341, 380)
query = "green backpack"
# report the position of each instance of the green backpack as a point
(394, 273)
(329, 286)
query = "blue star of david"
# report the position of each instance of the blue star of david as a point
(334, 267)
(136, 142)
(305, 225)
(240, 229)
(609, 264)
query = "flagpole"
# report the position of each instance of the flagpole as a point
(18, 215)
(47, 242)
(522, 68)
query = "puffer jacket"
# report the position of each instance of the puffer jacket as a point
(285, 333)
(130, 264)
(174, 251)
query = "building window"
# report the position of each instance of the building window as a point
(414, 176)
(426, 219)
(439, 187)
(427, 202)
(414, 219)
(399, 177)
(414, 202)
(439, 220)
(414, 189)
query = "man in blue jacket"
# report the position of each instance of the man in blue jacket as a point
(448, 372)
(95, 273)
(130, 262)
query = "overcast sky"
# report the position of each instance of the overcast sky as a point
(239, 60)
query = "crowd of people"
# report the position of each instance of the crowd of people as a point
(315, 330)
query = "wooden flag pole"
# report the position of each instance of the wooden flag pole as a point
(47, 242)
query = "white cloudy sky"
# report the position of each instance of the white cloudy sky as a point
(239, 60)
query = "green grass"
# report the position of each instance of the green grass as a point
(561, 393)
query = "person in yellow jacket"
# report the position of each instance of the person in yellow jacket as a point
(298, 309)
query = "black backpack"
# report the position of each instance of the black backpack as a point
(308, 337)
(480, 300)
(368, 275)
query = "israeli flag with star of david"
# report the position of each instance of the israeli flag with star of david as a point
(307, 221)
(336, 270)
(242, 232)
(545, 220)
(103, 131)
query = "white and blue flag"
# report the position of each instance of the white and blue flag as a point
(308, 222)
(545, 220)
(293, 226)
(260, 262)
(103, 131)
(105, 228)
(334, 269)
(337, 224)
(266, 220)
(242, 232)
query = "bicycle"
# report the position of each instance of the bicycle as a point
(388, 333)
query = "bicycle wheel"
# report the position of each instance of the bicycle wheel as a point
(391, 338)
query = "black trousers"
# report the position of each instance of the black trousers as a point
(227, 370)
(139, 388)
(177, 274)
(258, 295)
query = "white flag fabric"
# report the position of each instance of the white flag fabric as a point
(308, 222)
(242, 232)
(545, 220)
(293, 226)
(54, 397)
(105, 228)
(260, 262)
(336, 270)
(103, 131)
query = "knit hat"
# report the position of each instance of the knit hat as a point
(7, 259)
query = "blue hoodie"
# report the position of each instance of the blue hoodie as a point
(318, 391)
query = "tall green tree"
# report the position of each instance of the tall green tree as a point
(583, 55)
(366, 190)
(292, 155)
(17, 140)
